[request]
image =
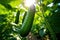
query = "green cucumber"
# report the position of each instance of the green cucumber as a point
(28, 21)
(17, 17)
(24, 17)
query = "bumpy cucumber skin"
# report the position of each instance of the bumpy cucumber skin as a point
(27, 24)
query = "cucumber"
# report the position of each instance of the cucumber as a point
(24, 17)
(28, 21)
(17, 17)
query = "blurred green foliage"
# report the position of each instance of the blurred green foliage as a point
(46, 11)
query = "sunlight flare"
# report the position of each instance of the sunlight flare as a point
(28, 3)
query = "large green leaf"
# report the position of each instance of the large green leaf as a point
(13, 3)
(16, 3)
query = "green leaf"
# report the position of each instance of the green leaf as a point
(15, 3)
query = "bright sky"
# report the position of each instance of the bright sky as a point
(28, 3)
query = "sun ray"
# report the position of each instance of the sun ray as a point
(28, 3)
